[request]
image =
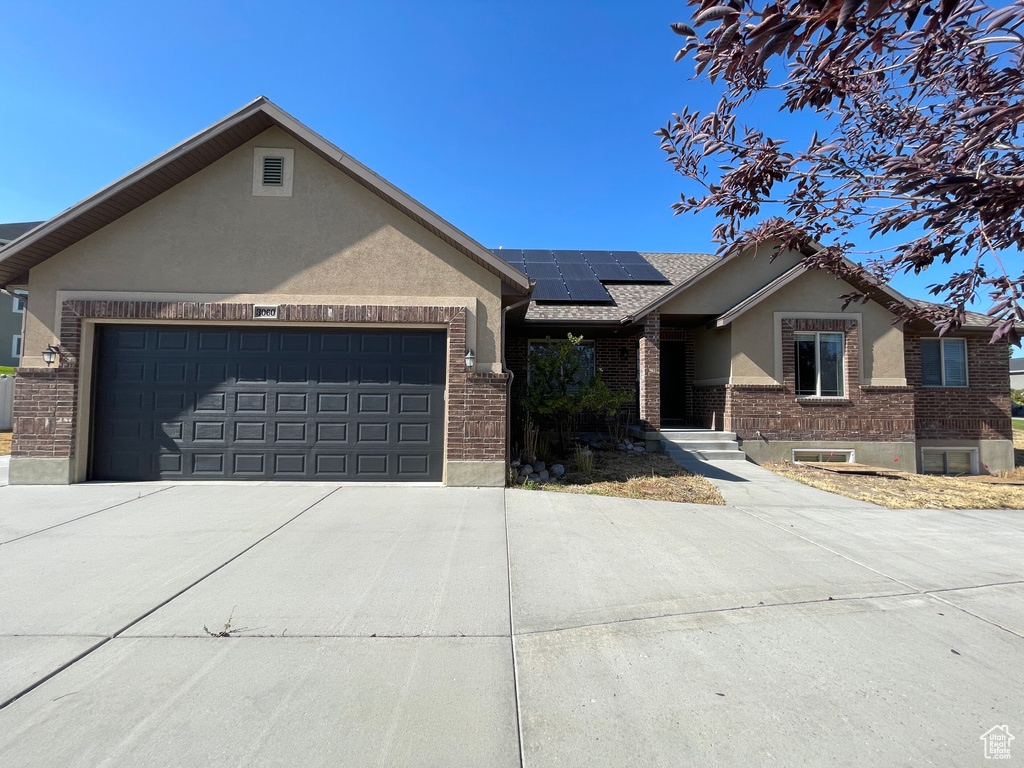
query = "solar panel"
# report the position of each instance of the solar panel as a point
(587, 290)
(625, 258)
(569, 256)
(573, 271)
(612, 273)
(598, 257)
(548, 289)
(539, 270)
(645, 273)
(544, 257)
(511, 255)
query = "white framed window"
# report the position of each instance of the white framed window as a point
(273, 171)
(16, 347)
(819, 364)
(586, 350)
(18, 306)
(818, 455)
(944, 362)
(949, 461)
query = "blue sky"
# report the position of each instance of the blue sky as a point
(526, 124)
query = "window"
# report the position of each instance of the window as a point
(16, 347)
(819, 364)
(588, 369)
(949, 461)
(19, 305)
(825, 454)
(944, 362)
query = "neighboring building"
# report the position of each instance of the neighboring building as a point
(12, 305)
(256, 304)
(1017, 373)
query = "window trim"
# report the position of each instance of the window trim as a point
(974, 453)
(942, 364)
(16, 350)
(18, 304)
(817, 365)
(849, 452)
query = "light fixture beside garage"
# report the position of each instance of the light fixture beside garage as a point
(50, 355)
(470, 359)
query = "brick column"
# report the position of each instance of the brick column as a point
(650, 373)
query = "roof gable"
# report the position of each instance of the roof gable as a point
(198, 152)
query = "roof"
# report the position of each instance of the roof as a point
(204, 149)
(9, 232)
(627, 298)
(973, 321)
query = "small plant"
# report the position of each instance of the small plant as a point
(226, 630)
(531, 436)
(584, 459)
(511, 476)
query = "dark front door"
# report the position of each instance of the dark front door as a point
(209, 402)
(673, 383)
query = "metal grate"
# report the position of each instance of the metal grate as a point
(273, 171)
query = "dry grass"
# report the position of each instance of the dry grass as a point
(907, 491)
(5, 443)
(650, 476)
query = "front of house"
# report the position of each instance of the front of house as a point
(255, 304)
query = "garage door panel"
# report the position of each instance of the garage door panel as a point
(279, 403)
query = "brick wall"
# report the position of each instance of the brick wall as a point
(708, 407)
(650, 373)
(45, 400)
(979, 411)
(863, 413)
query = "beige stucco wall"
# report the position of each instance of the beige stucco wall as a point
(210, 238)
(755, 353)
(736, 279)
(712, 355)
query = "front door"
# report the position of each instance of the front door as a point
(673, 383)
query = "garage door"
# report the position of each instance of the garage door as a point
(207, 402)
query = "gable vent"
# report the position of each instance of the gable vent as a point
(273, 171)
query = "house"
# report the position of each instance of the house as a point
(254, 303)
(12, 305)
(1017, 373)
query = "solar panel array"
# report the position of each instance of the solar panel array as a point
(576, 276)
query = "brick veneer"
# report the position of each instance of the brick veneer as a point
(45, 400)
(979, 411)
(650, 373)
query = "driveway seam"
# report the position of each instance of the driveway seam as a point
(918, 590)
(4, 704)
(87, 514)
(512, 630)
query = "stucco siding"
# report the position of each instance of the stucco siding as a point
(755, 352)
(209, 237)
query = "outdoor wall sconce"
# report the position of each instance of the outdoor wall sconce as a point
(50, 355)
(470, 359)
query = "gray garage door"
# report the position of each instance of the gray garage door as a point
(207, 402)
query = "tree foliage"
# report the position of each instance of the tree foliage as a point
(560, 389)
(921, 108)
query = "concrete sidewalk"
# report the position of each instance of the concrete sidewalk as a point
(481, 627)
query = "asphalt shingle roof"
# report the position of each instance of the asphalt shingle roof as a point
(10, 231)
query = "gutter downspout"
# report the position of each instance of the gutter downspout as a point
(511, 375)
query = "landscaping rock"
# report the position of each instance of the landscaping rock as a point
(557, 470)
(515, 462)
(639, 449)
(538, 466)
(544, 475)
(620, 447)
(535, 477)
(526, 469)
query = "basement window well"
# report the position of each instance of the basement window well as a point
(272, 172)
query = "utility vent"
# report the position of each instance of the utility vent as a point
(843, 457)
(947, 462)
(273, 171)
(264, 312)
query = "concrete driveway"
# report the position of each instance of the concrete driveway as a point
(419, 626)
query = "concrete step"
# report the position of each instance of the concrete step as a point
(680, 435)
(680, 454)
(706, 445)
